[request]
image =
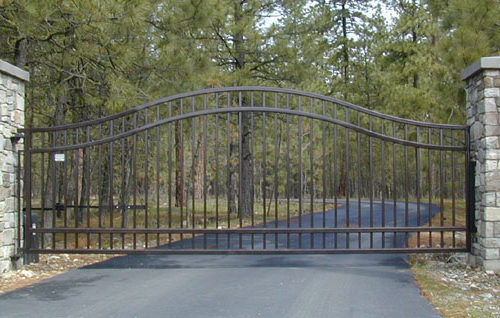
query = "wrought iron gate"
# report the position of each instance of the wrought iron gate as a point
(247, 170)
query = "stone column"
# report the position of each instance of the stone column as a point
(12, 81)
(483, 116)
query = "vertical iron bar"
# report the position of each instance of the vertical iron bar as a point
(417, 189)
(407, 184)
(134, 181)
(453, 219)
(19, 166)
(264, 172)
(111, 177)
(217, 171)
(157, 175)
(469, 191)
(65, 189)
(42, 192)
(77, 166)
(193, 171)
(122, 203)
(229, 185)
(252, 128)
(300, 170)
(358, 135)
(146, 177)
(441, 186)
(335, 173)
(205, 136)
(169, 175)
(323, 137)
(240, 189)
(371, 180)
(382, 168)
(99, 186)
(347, 181)
(181, 169)
(276, 162)
(311, 162)
(287, 171)
(54, 178)
(87, 182)
(27, 189)
(252, 218)
(429, 180)
(394, 188)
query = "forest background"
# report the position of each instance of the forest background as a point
(90, 58)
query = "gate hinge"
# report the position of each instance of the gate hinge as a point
(15, 257)
(15, 138)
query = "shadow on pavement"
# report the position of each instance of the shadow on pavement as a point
(395, 261)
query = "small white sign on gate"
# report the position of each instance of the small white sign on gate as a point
(59, 157)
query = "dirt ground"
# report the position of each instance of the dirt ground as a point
(48, 266)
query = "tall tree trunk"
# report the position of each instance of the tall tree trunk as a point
(199, 160)
(345, 50)
(246, 169)
(231, 185)
(246, 177)
(179, 171)
(103, 184)
(126, 182)
(415, 75)
(84, 167)
(20, 52)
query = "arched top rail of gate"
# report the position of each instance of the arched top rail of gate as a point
(249, 99)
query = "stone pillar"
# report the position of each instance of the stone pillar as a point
(483, 116)
(12, 81)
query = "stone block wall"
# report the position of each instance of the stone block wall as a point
(12, 83)
(483, 115)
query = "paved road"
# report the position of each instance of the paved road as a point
(369, 215)
(378, 285)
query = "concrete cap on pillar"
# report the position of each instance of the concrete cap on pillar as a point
(14, 71)
(489, 62)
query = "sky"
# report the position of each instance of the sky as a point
(387, 13)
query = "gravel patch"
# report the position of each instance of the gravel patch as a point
(456, 289)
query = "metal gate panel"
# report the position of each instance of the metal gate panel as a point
(249, 170)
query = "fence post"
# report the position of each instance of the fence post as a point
(483, 116)
(12, 83)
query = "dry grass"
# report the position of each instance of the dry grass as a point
(443, 239)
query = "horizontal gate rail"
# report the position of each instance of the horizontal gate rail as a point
(62, 207)
(252, 170)
(251, 252)
(409, 229)
(249, 110)
(239, 89)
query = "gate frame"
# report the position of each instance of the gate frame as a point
(469, 227)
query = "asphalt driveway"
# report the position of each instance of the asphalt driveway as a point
(350, 285)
